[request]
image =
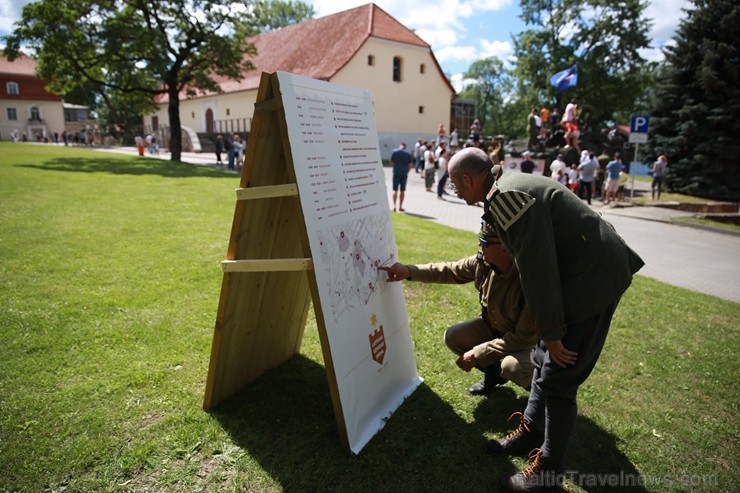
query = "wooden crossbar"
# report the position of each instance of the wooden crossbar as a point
(286, 190)
(267, 265)
(267, 105)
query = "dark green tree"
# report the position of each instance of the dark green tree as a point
(118, 113)
(603, 37)
(488, 83)
(694, 120)
(153, 48)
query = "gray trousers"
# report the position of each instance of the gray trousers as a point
(552, 406)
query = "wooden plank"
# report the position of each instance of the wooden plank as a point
(261, 315)
(267, 265)
(235, 330)
(287, 190)
(268, 105)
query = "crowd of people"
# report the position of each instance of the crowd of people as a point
(234, 147)
(591, 177)
(429, 160)
(85, 138)
(149, 143)
(544, 126)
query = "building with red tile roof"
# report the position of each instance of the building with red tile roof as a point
(26, 107)
(361, 47)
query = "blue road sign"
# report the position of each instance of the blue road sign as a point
(639, 124)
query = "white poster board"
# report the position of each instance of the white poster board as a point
(339, 172)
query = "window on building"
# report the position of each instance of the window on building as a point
(421, 110)
(397, 69)
(12, 88)
(228, 111)
(422, 68)
(371, 60)
(192, 114)
(35, 113)
(12, 114)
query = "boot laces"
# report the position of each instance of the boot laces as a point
(521, 429)
(535, 463)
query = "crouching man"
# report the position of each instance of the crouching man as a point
(498, 342)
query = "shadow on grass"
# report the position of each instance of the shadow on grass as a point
(594, 458)
(594, 461)
(285, 421)
(419, 216)
(130, 166)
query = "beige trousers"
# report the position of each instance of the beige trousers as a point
(515, 366)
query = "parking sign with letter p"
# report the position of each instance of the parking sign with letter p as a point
(639, 124)
(639, 129)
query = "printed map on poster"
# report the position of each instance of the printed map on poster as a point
(352, 252)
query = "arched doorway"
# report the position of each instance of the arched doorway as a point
(209, 120)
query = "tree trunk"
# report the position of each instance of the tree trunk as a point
(173, 109)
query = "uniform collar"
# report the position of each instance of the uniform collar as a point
(491, 183)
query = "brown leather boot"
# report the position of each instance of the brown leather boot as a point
(542, 476)
(520, 441)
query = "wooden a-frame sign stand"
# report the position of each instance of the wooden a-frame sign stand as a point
(268, 278)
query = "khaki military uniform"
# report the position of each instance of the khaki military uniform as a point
(505, 333)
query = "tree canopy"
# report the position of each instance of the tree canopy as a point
(697, 102)
(268, 15)
(136, 47)
(603, 37)
(490, 82)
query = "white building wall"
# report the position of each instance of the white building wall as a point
(50, 112)
(228, 108)
(407, 110)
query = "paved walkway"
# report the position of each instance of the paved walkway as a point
(689, 257)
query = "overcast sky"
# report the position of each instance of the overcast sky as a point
(459, 31)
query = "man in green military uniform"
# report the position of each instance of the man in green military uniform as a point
(574, 268)
(499, 342)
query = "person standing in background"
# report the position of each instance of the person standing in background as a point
(587, 169)
(219, 148)
(545, 117)
(402, 163)
(533, 130)
(658, 174)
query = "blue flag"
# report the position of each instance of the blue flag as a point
(565, 79)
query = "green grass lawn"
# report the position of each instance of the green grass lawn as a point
(109, 283)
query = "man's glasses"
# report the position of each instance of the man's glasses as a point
(455, 190)
(484, 243)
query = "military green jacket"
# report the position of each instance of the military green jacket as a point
(572, 263)
(501, 299)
